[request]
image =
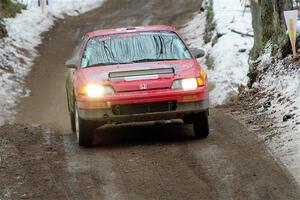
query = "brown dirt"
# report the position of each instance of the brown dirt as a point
(136, 161)
(29, 166)
(141, 161)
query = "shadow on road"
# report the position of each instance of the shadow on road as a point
(143, 134)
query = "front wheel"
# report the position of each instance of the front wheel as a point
(201, 127)
(84, 130)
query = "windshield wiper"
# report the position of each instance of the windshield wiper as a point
(105, 64)
(134, 61)
(152, 60)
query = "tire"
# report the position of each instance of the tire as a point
(187, 119)
(84, 130)
(201, 126)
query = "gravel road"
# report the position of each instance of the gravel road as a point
(40, 159)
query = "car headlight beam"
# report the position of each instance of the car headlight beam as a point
(96, 91)
(185, 84)
(189, 84)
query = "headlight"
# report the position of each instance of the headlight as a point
(185, 84)
(94, 91)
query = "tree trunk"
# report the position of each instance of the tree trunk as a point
(268, 22)
(268, 26)
(257, 28)
(279, 7)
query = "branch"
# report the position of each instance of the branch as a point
(243, 34)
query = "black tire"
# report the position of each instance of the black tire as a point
(201, 126)
(187, 119)
(84, 130)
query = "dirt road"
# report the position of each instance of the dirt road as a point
(140, 161)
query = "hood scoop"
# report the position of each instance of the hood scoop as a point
(141, 74)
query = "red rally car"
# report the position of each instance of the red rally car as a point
(132, 75)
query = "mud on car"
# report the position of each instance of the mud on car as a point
(133, 75)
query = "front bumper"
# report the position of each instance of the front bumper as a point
(138, 97)
(106, 116)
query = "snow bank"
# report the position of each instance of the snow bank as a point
(17, 51)
(280, 86)
(231, 51)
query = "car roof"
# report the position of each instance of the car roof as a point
(130, 30)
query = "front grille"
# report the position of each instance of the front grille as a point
(131, 109)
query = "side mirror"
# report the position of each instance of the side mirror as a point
(71, 64)
(198, 53)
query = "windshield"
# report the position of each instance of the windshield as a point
(134, 47)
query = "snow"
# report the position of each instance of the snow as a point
(231, 51)
(281, 86)
(17, 51)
